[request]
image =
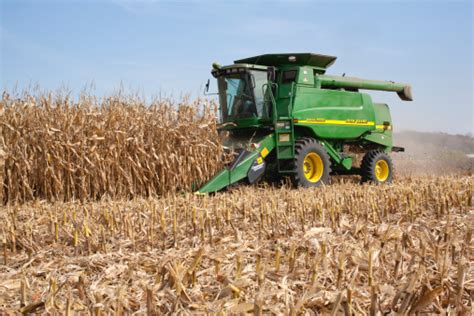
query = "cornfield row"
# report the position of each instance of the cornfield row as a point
(56, 149)
(341, 249)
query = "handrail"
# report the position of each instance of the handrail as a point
(290, 105)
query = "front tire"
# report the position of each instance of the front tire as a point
(377, 167)
(312, 164)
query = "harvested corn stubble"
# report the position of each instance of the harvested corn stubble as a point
(344, 248)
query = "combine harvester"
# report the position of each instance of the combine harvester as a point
(285, 117)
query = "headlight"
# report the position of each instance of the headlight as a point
(283, 125)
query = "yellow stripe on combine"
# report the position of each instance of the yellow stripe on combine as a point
(337, 122)
(343, 122)
(389, 127)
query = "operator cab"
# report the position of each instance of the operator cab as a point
(242, 95)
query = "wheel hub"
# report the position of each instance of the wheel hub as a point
(382, 170)
(313, 167)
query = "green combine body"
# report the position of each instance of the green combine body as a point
(284, 117)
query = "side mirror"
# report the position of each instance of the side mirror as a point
(206, 88)
(271, 74)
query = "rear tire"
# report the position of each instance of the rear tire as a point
(377, 167)
(312, 164)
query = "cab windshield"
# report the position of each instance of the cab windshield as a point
(241, 95)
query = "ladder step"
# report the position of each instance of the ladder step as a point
(284, 142)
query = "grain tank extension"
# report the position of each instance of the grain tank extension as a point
(283, 116)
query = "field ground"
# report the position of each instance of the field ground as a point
(97, 218)
(344, 248)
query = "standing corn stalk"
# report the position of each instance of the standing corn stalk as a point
(55, 148)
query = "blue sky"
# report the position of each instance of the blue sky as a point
(168, 47)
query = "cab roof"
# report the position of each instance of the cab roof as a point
(300, 59)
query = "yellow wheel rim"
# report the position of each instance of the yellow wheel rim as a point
(382, 170)
(313, 167)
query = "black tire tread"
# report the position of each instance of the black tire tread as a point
(300, 145)
(368, 164)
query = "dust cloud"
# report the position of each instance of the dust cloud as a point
(433, 154)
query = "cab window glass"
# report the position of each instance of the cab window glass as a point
(260, 80)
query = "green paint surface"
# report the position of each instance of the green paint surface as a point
(302, 101)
